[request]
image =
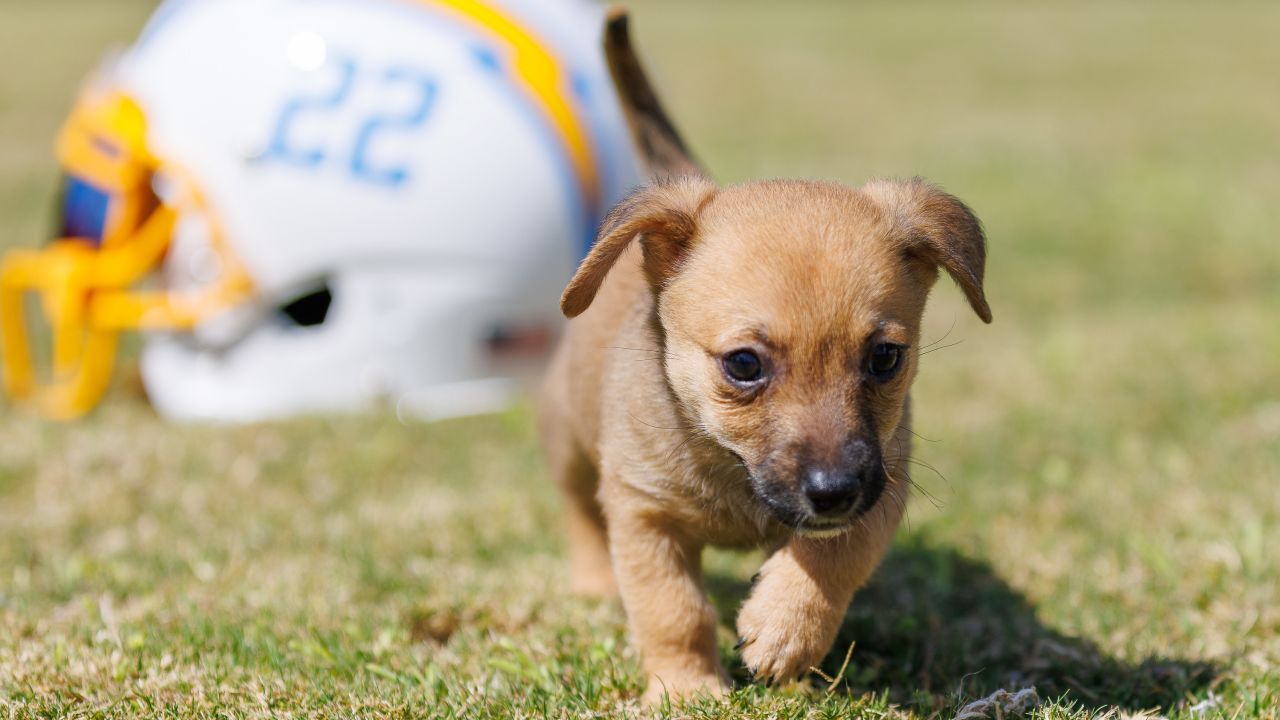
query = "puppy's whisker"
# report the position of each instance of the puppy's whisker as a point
(909, 459)
(884, 513)
(906, 508)
(891, 464)
(650, 351)
(945, 335)
(883, 509)
(933, 499)
(915, 434)
(943, 347)
(902, 504)
(657, 427)
(899, 449)
(930, 468)
(892, 492)
(697, 432)
(893, 488)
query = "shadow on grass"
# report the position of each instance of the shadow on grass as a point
(934, 627)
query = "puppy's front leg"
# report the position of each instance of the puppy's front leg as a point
(659, 576)
(793, 613)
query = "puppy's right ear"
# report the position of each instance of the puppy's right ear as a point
(663, 216)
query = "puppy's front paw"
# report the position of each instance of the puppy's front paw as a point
(784, 629)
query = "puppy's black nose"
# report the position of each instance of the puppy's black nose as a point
(831, 493)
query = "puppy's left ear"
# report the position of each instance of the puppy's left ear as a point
(939, 230)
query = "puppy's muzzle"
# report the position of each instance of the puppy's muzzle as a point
(821, 496)
(834, 490)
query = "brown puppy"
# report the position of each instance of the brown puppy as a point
(738, 374)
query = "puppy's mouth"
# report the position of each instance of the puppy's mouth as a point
(824, 529)
(790, 509)
(796, 517)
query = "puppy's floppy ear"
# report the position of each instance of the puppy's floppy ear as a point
(663, 216)
(939, 230)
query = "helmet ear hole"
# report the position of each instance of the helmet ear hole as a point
(311, 309)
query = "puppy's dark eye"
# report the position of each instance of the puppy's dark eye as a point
(742, 366)
(884, 360)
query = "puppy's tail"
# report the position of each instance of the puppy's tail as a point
(659, 143)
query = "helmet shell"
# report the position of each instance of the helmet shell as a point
(433, 169)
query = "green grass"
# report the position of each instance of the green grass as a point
(1107, 511)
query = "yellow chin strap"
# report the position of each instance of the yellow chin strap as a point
(84, 290)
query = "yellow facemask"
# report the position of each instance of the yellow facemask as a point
(115, 232)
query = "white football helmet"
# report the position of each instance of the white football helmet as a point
(311, 205)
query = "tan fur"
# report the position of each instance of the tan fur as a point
(659, 454)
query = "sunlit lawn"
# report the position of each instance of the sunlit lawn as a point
(1106, 508)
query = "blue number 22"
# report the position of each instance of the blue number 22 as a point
(361, 167)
